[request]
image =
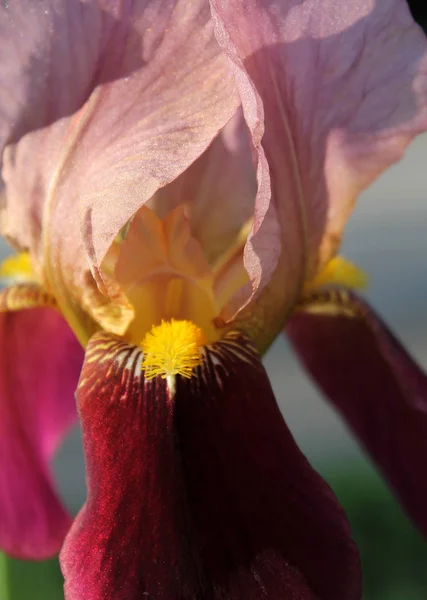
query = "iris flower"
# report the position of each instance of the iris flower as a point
(177, 175)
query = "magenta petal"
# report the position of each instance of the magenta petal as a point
(375, 384)
(39, 368)
(198, 490)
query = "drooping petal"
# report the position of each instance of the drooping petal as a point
(120, 99)
(40, 362)
(332, 94)
(378, 388)
(196, 488)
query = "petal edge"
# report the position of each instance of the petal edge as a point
(371, 380)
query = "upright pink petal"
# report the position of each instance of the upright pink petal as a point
(380, 391)
(197, 490)
(332, 92)
(40, 362)
(121, 98)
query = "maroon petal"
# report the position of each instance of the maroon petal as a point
(196, 488)
(374, 383)
(40, 363)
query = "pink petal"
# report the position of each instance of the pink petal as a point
(219, 190)
(199, 491)
(332, 92)
(40, 364)
(380, 391)
(121, 98)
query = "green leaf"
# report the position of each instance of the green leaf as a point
(28, 580)
(393, 553)
(4, 580)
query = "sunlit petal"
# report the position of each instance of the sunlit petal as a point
(119, 100)
(218, 190)
(332, 94)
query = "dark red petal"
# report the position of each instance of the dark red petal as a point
(197, 490)
(374, 383)
(40, 362)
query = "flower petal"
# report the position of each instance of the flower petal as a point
(196, 488)
(163, 272)
(22, 296)
(332, 94)
(39, 368)
(120, 99)
(219, 190)
(381, 392)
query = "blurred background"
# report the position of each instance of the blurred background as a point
(387, 237)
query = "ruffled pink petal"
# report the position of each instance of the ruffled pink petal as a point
(39, 368)
(196, 489)
(380, 391)
(116, 100)
(332, 93)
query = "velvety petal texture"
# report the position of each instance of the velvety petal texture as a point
(121, 98)
(378, 388)
(332, 94)
(40, 363)
(196, 488)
